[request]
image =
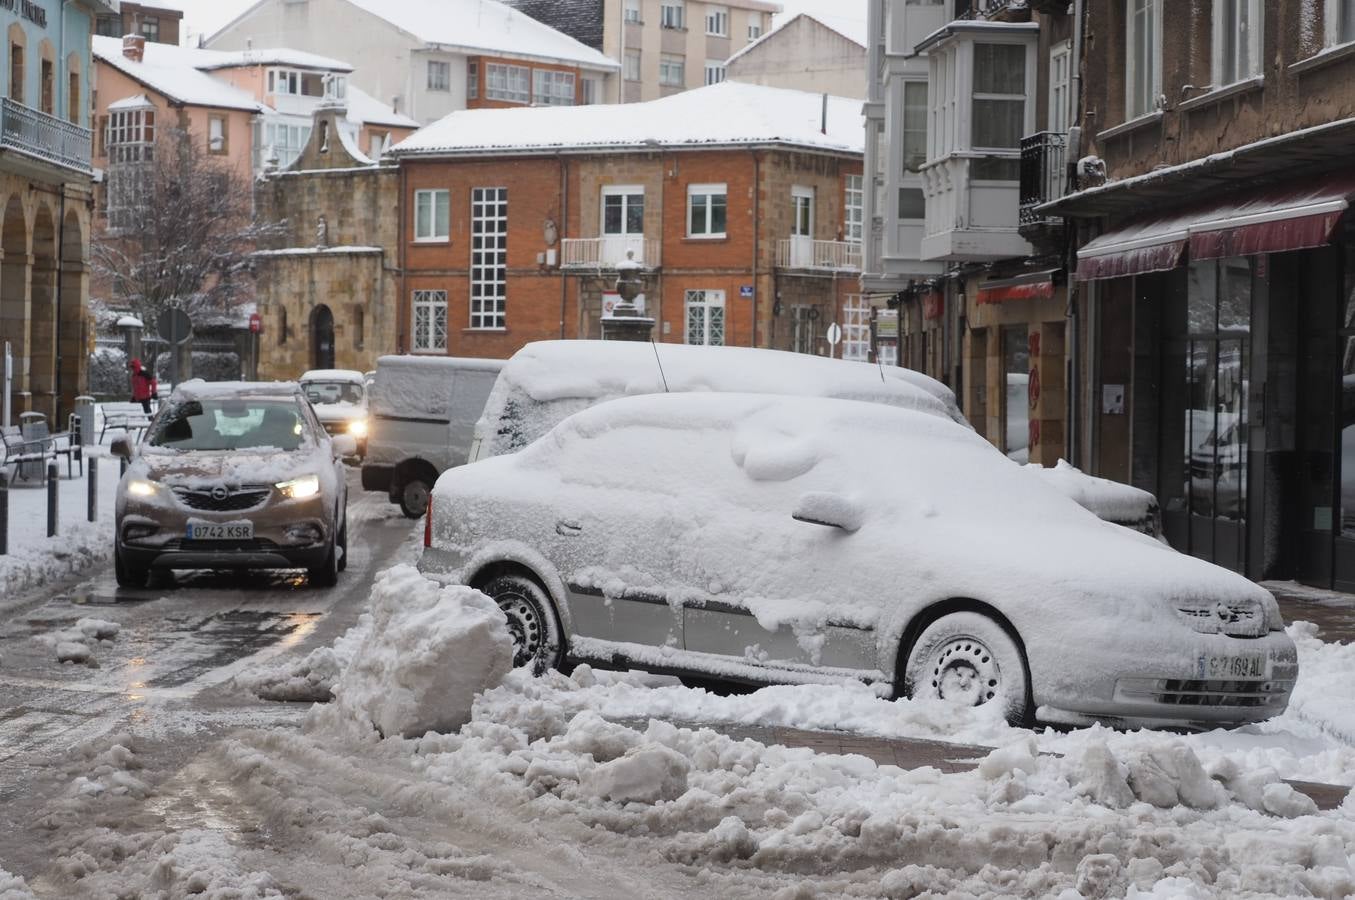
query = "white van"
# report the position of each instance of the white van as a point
(423, 415)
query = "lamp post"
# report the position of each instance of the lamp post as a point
(626, 323)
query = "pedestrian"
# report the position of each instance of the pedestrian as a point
(144, 386)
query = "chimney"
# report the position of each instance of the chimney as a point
(134, 47)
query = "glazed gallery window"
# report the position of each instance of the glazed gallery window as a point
(1237, 40)
(510, 83)
(431, 215)
(287, 141)
(854, 209)
(131, 135)
(439, 75)
(914, 125)
(707, 210)
(672, 70)
(1143, 57)
(488, 257)
(706, 318)
(553, 88)
(430, 321)
(673, 14)
(999, 109)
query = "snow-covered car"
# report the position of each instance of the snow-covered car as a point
(233, 476)
(340, 400)
(772, 539)
(547, 381)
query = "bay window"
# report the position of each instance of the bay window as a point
(998, 114)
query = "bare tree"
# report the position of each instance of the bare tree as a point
(179, 232)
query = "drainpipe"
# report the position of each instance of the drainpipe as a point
(401, 307)
(757, 219)
(561, 231)
(1073, 436)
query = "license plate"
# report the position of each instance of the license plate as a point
(207, 531)
(1249, 666)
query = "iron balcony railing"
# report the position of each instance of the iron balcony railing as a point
(1044, 173)
(47, 138)
(982, 9)
(803, 253)
(605, 252)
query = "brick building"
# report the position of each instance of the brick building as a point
(159, 23)
(741, 202)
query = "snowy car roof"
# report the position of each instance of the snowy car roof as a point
(351, 375)
(197, 389)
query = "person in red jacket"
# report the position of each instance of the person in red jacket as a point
(144, 386)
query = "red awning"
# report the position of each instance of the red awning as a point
(1031, 286)
(1290, 216)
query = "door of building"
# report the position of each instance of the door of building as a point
(802, 227)
(322, 338)
(623, 223)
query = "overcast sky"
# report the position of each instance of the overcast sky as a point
(206, 16)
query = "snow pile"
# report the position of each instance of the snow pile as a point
(76, 644)
(12, 887)
(430, 651)
(310, 679)
(1322, 695)
(35, 559)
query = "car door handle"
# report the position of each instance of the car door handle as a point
(566, 528)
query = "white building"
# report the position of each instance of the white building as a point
(428, 58)
(806, 53)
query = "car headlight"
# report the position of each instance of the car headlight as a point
(140, 487)
(300, 488)
(358, 428)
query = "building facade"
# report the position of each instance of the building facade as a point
(805, 53)
(428, 58)
(155, 23)
(514, 222)
(45, 189)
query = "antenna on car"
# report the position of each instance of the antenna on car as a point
(879, 361)
(660, 362)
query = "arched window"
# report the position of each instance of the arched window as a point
(282, 324)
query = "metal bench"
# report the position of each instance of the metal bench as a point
(54, 444)
(131, 423)
(27, 457)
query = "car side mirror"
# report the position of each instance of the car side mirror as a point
(832, 510)
(344, 445)
(121, 447)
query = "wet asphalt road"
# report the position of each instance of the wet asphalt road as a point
(166, 676)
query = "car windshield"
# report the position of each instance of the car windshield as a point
(333, 392)
(230, 424)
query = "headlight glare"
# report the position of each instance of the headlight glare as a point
(358, 428)
(300, 488)
(140, 487)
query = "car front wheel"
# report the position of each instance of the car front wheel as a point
(531, 621)
(128, 576)
(327, 573)
(967, 659)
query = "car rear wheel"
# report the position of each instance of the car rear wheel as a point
(414, 497)
(531, 621)
(967, 659)
(128, 576)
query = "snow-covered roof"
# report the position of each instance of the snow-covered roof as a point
(173, 73)
(364, 109)
(136, 101)
(277, 56)
(725, 114)
(853, 30)
(484, 26)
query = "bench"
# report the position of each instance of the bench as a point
(23, 454)
(128, 422)
(61, 443)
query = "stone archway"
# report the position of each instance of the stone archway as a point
(322, 338)
(42, 325)
(14, 307)
(72, 360)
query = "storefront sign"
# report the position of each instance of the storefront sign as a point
(886, 325)
(933, 305)
(30, 11)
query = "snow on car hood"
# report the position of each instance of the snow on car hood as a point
(258, 465)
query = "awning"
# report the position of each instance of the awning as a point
(1027, 286)
(1291, 216)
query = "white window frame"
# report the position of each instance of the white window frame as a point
(673, 14)
(284, 82)
(625, 192)
(1024, 97)
(709, 307)
(717, 21)
(473, 79)
(905, 131)
(439, 75)
(1255, 41)
(428, 321)
(854, 209)
(1334, 18)
(489, 259)
(856, 328)
(510, 84)
(754, 27)
(672, 65)
(131, 135)
(707, 193)
(553, 88)
(1133, 76)
(1060, 86)
(293, 140)
(216, 133)
(428, 203)
(800, 193)
(715, 71)
(631, 13)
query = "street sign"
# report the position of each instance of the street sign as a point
(175, 327)
(255, 323)
(834, 334)
(746, 291)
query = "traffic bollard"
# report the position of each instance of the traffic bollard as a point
(53, 483)
(4, 513)
(93, 488)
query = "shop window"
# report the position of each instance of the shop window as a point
(1016, 414)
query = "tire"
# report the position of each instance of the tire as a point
(967, 658)
(129, 576)
(414, 497)
(537, 641)
(343, 545)
(326, 575)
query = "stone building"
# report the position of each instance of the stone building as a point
(328, 285)
(45, 195)
(806, 53)
(741, 202)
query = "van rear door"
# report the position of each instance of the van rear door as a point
(470, 390)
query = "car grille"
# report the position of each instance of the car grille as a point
(1245, 618)
(255, 545)
(1193, 692)
(236, 499)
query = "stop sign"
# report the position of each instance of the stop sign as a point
(255, 323)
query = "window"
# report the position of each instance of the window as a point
(359, 327)
(553, 88)
(1060, 93)
(430, 321)
(854, 209)
(632, 12)
(431, 215)
(472, 79)
(717, 21)
(1340, 22)
(802, 212)
(47, 101)
(1237, 41)
(439, 75)
(914, 125)
(109, 26)
(1016, 366)
(16, 73)
(632, 65)
(1143, 78)
(284, 81)
(131, 135)
(999, 109)
(715, 71)
(335, 86)
(489, 257)
(376, 144)
(589, 91)
(216, 134)
(754, 26)
(150, 28)
(856, 328)
(671, 70)
(672, 14)
(286, 141)
(912, 204)
(73, 98)
(510, 83)
(623, 210)
(707, 210)
(706, 318)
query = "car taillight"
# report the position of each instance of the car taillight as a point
(428, 523)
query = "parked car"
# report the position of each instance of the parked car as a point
(340, 399)
(423, 415)
(545, 382)
(768, 539)
(233, 476)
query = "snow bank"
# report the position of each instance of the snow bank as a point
(12, 887)
(430, 651)
(76, 644)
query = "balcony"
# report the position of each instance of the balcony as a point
(1044, 175)
(824, 256)
(989, 9)
(44, 138)
(603, 253)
